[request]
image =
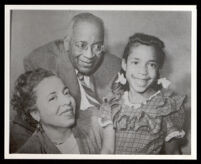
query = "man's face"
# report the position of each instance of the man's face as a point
(86, 47)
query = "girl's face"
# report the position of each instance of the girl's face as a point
(56, 106)
(141, 68)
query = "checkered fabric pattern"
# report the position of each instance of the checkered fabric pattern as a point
(143, 130)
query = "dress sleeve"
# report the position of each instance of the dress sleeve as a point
(175, 120)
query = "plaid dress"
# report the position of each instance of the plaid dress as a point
(144, 129)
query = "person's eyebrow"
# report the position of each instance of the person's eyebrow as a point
(80, 41)
(134, 58)
(98, 42)
(153, 61)
(52, 93)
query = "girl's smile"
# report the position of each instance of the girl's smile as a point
(141, 68)
(140, 80)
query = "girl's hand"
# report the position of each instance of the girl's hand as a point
(105, 118)
(108, 140)
(105, 121)
(106, 112)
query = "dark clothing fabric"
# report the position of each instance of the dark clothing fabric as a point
(20, 131)
(86, 132)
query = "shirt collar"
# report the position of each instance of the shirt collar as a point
(127, 102)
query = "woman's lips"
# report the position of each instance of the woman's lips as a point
(68, 111)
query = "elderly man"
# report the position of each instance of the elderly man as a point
(80, 61)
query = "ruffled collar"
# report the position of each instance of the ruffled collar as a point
(127, 102)
(150, 113)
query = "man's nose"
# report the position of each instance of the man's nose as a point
(88, 52)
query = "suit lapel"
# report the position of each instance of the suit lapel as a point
(66, 72)
(94, 87)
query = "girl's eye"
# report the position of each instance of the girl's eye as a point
(52, 98)
(153, 65)
(134, 62)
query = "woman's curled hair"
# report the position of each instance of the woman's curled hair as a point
(23, 100)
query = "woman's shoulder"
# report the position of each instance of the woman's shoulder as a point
(32, 145)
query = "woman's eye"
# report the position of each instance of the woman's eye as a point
(52, 98)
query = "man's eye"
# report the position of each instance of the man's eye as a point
(81, 45)
(98, 47)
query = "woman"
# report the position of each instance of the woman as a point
(41, 96)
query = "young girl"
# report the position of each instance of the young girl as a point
(146, 115)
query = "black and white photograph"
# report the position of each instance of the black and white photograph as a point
(100, 82)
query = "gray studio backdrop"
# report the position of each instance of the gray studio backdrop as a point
(33, 28)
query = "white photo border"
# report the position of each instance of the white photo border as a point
(191, 8)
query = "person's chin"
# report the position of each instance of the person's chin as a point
(68, 123)
(140, 89)
(86, 70)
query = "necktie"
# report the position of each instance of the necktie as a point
(91, 94)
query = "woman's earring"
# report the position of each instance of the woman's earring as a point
(38, 125)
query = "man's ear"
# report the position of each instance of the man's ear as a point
(123, 64)
(36, 115)
(67, 40)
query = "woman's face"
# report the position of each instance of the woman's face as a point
(141, 68)
(56, 106)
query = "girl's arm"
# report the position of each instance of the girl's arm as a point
(108, 140)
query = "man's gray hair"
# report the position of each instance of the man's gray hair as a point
(87, 17)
